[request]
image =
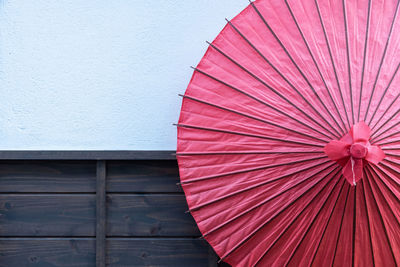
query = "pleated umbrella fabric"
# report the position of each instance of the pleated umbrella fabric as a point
(282, 81)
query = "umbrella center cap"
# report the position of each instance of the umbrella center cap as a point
(358, 150)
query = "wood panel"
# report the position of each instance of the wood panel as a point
(48, 252)
(47, 176)
(149, 215)
(48, 211)
(143, 176)
(160, 252)
(74, 215)
(55, 252)
(47, 215)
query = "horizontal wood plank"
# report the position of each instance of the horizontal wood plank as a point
(160, 252)
(143, 176)
(121, 252)
(74, 215)
(47, 176)
(149, 215)
(47, 253)
(47, 215)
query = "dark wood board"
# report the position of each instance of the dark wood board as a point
(47, 176)
(148, 176)
(149, 215)
(74, 215)
(56, 252)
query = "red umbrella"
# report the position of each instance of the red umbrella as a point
(289, 132)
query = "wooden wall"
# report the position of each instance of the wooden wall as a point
(48, 214)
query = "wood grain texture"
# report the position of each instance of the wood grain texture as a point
(55, 252)
(47, 215)
(160, 252)
(149, 215)
(74, 215)
(147, 176)
(47, 176)
(48, 212)
(49, 252)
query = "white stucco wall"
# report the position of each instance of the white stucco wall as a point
(100, 74)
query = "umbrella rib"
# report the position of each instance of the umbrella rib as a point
(273, 217)
(319, 71)
(382, 59)
(333, 62)
(296, 217)
(249, 170)
(389, 142)
(383, 114)
(244, 153)
(390, 168)
(313, 221)
(326, 226)
(381, 194)
(364, 56)
(381, 219)
(348, 59)
(263, 203)
(369, 226)
(251, 117)
(258, 100)
(280, 74)
(272, 89)
(385, 173)
(340, 227)
(246, 134)
(257, 186)
(373, 139)
(382, 97)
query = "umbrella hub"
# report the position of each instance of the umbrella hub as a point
(354, 151)
(358, 150)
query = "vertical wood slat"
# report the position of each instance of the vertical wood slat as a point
(101, 214)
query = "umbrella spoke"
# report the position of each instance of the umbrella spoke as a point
(380, 216)
(333, 62)
(382, 59)
(260, 101)
(383, 114)
(198, 179)
(382, 97)
(373, 137)
(343, 130)
(340, 227)
(265, 201)
(273, 90)
(280, 74)
(249, 236)
(252, 117)
(295, 218)
(372, 170)
(364, 56)
(259, 185)
(314, 220)
(247, 134)
(327, 223)
(368, 219)
(348, 59)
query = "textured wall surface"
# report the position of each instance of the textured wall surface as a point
(100, 74)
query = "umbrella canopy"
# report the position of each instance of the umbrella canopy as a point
(288, 136)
